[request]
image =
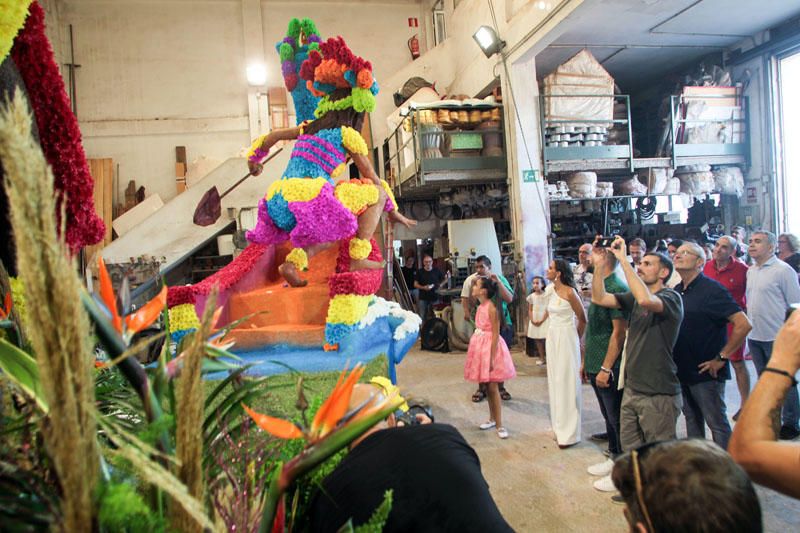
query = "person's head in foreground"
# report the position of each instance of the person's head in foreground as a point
(686, 485)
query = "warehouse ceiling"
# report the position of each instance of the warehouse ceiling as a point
(638, 40)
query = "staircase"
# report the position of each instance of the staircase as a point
(295, 316)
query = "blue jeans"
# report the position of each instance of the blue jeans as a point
(425, 307)
(761, 352)
(610, 400)
(704, 403)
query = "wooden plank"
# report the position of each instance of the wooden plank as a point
(102, 171)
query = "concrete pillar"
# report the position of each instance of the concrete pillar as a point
(530, 208)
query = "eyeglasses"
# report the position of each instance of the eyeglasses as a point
(688, 252)
(637, 480)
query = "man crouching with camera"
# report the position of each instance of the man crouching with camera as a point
(434, 474)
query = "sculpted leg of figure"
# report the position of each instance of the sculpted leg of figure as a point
(289, 271)
(367, 223)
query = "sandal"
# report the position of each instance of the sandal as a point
(479, 396)
(505, 395)
(502, 433)
(489, 424)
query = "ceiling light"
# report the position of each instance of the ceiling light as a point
(257, 75)
(488, 40)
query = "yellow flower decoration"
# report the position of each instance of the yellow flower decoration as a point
(356, 196)
(389, 193)
(255, 146)
(360, 248)
(353, 141)
(12, 18)
(303, 126)
(298, 258)
(348, 309)
(182, 317)
(297, 189)
(338, 170)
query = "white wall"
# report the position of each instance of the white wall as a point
(458, 66)
(158, 74)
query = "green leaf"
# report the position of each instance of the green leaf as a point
(22, 370)
(378, 519)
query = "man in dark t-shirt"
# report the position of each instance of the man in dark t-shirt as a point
(429, 280)
(434, 475)
(651, 401)
(703, 346)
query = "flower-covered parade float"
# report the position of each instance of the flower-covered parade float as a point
(305, 287)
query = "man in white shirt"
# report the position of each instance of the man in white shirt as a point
(771, 288)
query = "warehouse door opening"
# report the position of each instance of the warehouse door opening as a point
(789, 106)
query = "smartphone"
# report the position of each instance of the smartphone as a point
(605, 242)
(791, 310)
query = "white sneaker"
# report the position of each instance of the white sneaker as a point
(604, 484)
(601, 469)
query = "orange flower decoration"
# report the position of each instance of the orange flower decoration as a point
(5, 311)
(332, 411)
(134, 322)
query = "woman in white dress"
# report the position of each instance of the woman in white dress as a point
(567, 321)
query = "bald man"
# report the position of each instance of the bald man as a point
(434, 474)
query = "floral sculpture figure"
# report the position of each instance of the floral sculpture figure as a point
(306, 207)
(301, 38)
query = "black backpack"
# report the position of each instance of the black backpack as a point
(434, 335)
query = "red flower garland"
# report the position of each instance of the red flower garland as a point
(58, 131)
(182, 294)
(233, 272)
(360, 282)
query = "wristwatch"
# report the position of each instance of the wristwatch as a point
(722, 357)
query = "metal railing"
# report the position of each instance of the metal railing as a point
(578, 149)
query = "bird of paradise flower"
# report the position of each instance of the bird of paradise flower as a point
(332, 428)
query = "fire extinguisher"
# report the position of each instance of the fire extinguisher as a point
(413, 46)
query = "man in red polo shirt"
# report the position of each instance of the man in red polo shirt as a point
(732, 274)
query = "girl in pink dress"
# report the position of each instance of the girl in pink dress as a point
(488, 358)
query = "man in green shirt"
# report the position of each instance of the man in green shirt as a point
(605, 336)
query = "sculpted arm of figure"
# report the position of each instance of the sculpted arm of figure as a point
(754, 443)
(284, 134)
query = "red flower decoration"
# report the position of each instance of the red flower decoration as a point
(58, 131)
(179, 295)
(234, 272)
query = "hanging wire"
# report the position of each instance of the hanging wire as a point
(516, 113)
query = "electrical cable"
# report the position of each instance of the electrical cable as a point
(646, 207)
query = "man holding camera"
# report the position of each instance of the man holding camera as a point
(651, 401)
(434, 475)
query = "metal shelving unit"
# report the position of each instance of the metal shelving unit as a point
(418, 167)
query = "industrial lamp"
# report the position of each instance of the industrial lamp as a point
(488, 40)
(257, 75)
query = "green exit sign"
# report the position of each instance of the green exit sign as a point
(530, 176)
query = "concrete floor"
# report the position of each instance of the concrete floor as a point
(537, 486)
